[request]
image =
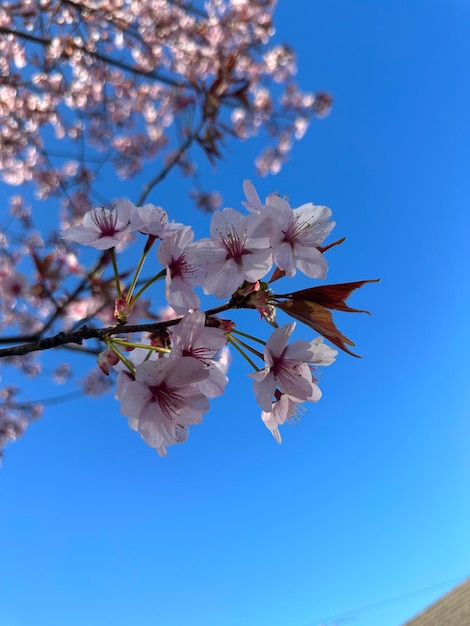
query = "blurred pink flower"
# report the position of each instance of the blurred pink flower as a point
(103, 228)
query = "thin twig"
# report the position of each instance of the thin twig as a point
(84, 333)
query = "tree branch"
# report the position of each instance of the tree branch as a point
(84, 333)
(45, 42)
(147, 188)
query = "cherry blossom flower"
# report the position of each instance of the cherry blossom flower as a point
(162, 400)
(153, 220)
(286, 368)
(13, 286)
(62, 373)
(95, 384)
(182, 272)
(322, 354)
(87, 308)
(295, 235)
(238, 250)
(193, 338)
(143, 82)
(108, 82)
(284, 408)
(103, 228)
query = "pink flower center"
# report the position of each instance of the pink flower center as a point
(200, 352)
(180, 267)
(105, 221)
(295, 230)
(169, 401)
(284, 368)
(234, 244)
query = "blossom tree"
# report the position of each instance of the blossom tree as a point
(115, 86)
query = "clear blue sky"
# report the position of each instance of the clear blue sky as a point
(368, 498)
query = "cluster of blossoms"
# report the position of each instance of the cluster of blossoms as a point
(166, 378)
(110, 77)
(119, 85)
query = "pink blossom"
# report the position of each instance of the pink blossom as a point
(153, 220)
(62, 373)
(180, 45)
(283, 408)
(182, 273)
(162, 400)
(103, 228)
(193, 338)
(286, 407)
(322, 354)
(295, 235)
(95, 384)
(286, 368)
(238, 250)
(86, 308)
(14, 286)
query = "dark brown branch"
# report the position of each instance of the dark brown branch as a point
(147, 188)
(84, 333)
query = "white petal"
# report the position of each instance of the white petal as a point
(278, 340)
(316, 393)
(225, 280)
(227, 221)
(284, 257)
(206, 253)
(79, 234)
(322, 354)
(185, 370)
(150, 431)
(181, 296)
(257, 264)
(311, 261)
(134, 401)
(264, 392)
(254, 203)
(214, 385)
(300, 351)
(299, 387)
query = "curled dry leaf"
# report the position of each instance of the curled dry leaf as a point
(311, 307)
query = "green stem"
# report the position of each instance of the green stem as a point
(147, 285)
(116, 273)
(150, 241)
(233, 342)
(126, 361)
(131, 344)
(239, 332)
(248, 347)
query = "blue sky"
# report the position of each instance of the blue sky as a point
(367, 499)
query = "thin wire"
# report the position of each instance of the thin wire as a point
(366, 607)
